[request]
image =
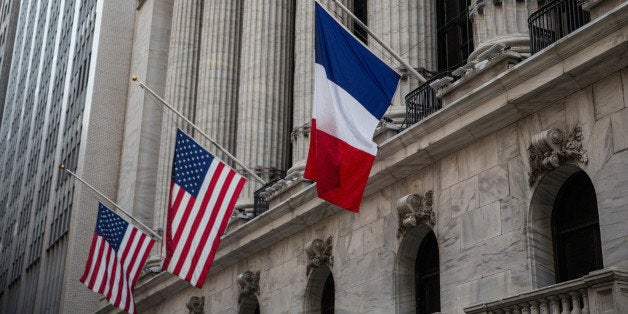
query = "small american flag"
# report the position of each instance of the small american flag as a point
(203, 192)
(118, 252)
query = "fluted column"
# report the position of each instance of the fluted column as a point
(217, 98)
(303, 74)
(408, 28)
(503, 22)
(265, 93)
(181, 80)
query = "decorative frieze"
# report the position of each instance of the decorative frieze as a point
(319, 253)
(196, 305)
(249, 284)
(414, 209)
(550, 149)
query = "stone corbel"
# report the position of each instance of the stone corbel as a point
(196, 305)
(414, 209)
(319, 253)
(249, 284)
(550, 149)
(476, 7)
(303, 131)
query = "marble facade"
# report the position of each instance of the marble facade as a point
(491, 225)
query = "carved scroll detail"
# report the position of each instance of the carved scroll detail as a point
(550, 149)
(249, 284)
(414, 209)
(196, 305)
(319, 253)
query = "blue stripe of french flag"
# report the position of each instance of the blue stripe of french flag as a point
(352, 90)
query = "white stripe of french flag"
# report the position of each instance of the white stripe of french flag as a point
(352, 90)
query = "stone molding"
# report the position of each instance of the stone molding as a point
(414, 209)
(550, 149)
(196, 305)
(319, 253)
(249, 284)
(303, 131)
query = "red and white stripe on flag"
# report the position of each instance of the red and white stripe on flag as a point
(118, 252)
(203, 192)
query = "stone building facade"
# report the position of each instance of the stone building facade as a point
(483, 177)
(515, 167)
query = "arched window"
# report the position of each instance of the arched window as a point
(427, 278)
(454, 34)
(328, 298)
(320, 291)
(249, 305)
(576, 229)
(417, 277)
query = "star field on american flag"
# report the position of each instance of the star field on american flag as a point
(110, 226)
(191, 162)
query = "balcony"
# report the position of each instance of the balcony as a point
(554, 21)
(602, 291)
(422, 102)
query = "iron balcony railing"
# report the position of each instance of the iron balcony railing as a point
(422, 102)
(554, 21)
(260, 198)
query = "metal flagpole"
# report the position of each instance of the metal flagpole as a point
(155, 235)
(392, 52)
(163, 101)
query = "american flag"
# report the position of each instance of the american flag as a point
(203, 192)
(118, 252)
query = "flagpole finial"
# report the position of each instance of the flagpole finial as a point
(62, 167)
(134, 78)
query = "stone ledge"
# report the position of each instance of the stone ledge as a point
(604, 276)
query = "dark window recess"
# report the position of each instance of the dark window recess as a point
(453, 33)
(328, 299)
(427, 277)
(576, 229)
(360, 10)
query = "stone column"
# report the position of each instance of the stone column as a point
(303, 76)
(265, 93)
(408, 27)
(217, 102)
(501, 21)
(181, 81)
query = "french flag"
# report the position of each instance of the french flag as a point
(352, 90)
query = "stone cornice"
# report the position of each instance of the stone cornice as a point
(562, 68)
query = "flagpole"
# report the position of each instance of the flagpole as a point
(163, 101)
(392, 52)
(155, 235)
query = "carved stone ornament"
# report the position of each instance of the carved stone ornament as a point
(249, 284)
(196, 305)
(550, 149)
(414, 209)
(319, 253)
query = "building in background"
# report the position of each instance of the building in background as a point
(64, 104)
(499, 184)
(9, 11)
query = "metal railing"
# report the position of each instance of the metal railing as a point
(422, 102)
(260, 198)
(554, 21)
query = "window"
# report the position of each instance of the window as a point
(328, 298)
(454, 35)
(576, 229)
(360, 10)
(427, 278)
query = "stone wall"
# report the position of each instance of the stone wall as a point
(481, 201)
